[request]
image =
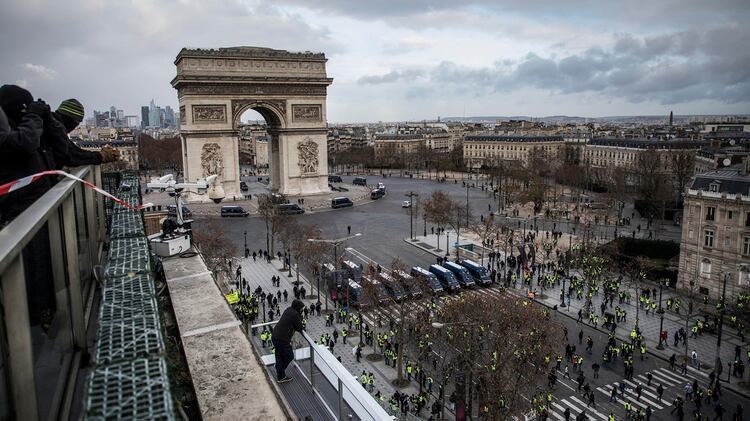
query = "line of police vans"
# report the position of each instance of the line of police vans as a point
(347, 285)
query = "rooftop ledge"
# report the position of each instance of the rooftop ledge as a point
(230, 381)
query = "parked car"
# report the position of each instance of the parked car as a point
(229, 211)
(172, 211)
(359, 181)
(243, 186)
(341, 202)
(380, 291)
(406, 204)
(334, 179)
(289, 209)
(278, 199)
(377, 194)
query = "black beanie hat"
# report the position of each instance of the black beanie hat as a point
(14, 98)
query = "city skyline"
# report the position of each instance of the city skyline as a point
(394, 62)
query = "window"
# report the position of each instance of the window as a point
(744, 275)
(708, 239)
(730, 215)
(747, 219)
(710, 213)
(713, 187)
(746, 246)
(705, 267)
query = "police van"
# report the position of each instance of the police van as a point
(393, 286)
(380, 292)
(432, 280)
(446, 278)
(461, 273)
(352, 269)
(409, 283)
(355, 294)
(477, 271)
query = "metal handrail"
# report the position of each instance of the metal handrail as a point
(364, 406)
(15, 236)
(74, 220)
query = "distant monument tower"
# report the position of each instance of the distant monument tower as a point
(671, 118)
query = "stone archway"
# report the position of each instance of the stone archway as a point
(215, 86)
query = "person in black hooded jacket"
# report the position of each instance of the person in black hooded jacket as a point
(21, 150)
(290, 321)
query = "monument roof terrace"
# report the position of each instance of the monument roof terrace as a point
(248, 52)
(526, 139)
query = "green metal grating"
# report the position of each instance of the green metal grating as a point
(132, 286)
(137, 389)
(128, 256)
(126, 224)
(127, 330)
(132, 200)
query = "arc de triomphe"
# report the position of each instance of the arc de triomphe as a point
(215, 86)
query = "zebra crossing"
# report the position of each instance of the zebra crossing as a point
(671, 381)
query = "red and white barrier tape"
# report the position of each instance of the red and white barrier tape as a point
(23, 182)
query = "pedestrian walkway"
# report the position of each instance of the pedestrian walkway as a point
(259, 273)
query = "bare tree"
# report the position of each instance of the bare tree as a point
(216, 249)
(682, 165)
(498, 342)
(437, 211)
(486, 230)
(535, 193)
(269, 212)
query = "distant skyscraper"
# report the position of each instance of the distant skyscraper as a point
(671, 117)
(169, 116)
(144, 117)
(154, 115)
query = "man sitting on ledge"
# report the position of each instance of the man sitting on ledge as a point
(289, 322)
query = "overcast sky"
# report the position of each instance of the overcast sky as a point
(402, 59)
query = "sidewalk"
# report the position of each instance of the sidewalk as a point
(704, 345)
(259, 273)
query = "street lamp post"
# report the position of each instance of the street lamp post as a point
(467, 205)
(661, 317)
(411, 195)
(722, 311)
(335, 243)
(289, 263)
(245, 243)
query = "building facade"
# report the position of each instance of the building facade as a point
(397, 145)
(489, 150)
(715, 244)
(128, 149)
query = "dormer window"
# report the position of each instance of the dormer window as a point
(713, 187)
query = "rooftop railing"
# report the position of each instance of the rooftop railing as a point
(47, 259)
(317, 364)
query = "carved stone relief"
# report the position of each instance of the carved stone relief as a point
(308, 156)
(209, 113)
(182, 114)
(312, 112)
(211, 160)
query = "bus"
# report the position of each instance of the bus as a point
(409, 283)
(446, 278)
(478, 272)
(431, 279)
(461, 273)
(393, 286)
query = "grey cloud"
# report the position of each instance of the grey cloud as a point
(121, 53)
(657, 69)
(390, 77)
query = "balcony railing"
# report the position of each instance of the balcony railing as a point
(317, 364)
(47, 258)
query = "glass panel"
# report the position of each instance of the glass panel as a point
(84, 240)
(49, 318)
(5, 402)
